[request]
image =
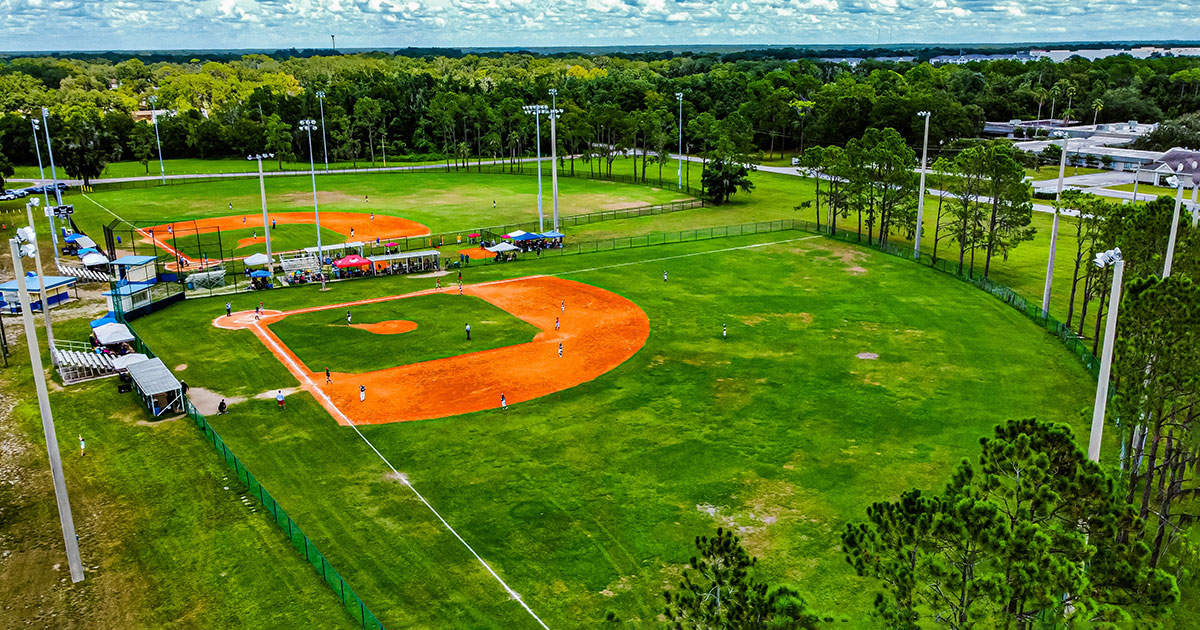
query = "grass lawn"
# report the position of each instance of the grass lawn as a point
(286, 237)
(198, 166)
(1050, 171)
(1151, 192)
(323, 338)
(443, 201)
(587, 500)
(166, 535)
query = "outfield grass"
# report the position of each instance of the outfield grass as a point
(443, 201)
(1050, 171)
(323, 338)
(167, 536)
(587, 500)
(199, 167)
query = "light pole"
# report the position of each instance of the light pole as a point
(38, 149)
(262, 191)
(324, 145)
(1103, 259)
(679, 167)
(921, 190)
(309, 125)
(29, 206)
(1062, 171)
(1174, 227)
(53, 176)
(537, 111)
(1137, 178)
(1195, 208)
(25, 244)
(554, 114)
(154, 117)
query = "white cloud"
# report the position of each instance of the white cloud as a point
(175, 24)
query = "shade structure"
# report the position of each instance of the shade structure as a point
(473, 235)
(71, 238)
(353, 260)
(87, 250)
(503, 247)
(100, 321)
(95, 259)
(152, 377)
(109, 334)
(528, 236)
(124, 361)
(515, 234)
(553, 234)
(391, 244)
(255, 260)
(84, 241)
(260, 273)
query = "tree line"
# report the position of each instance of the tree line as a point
(422, 107)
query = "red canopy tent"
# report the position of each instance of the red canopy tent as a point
(353, 260)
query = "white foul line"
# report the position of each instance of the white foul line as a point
(295, 369)
(711, 251)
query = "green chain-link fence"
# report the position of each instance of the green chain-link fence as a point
(351, 602)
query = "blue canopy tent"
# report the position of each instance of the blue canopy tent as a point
(107, 319)
(553, 234)
(528, 236)
(86, 250)
(260, 273)
(74, 237)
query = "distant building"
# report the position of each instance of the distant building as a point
(960, 59)
(1166, 170)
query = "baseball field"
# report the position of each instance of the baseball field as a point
(846, 376)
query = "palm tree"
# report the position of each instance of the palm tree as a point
(1055, 92)
(1097, 105)
(1040, 93)
(1070, 97)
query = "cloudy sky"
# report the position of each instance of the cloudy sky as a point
(206, 24)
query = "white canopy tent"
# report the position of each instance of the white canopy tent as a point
(256, 260)
(124, 361)
(110, 334)
(503, 247)
(93, 259)
(516, 233)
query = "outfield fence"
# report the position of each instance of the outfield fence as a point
(351, 602)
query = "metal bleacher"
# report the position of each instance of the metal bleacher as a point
(77, 362)
(299, 263)
(83, 273)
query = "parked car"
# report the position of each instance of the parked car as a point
(7, 196)
(20, 192)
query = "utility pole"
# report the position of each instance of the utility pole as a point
(679, 167)
(1110, 257)
(262, 190)
(554, 114)
(1062, 171)
(33, 202)
(67, 522)
(54, 178)
(309, 125)
(324, 145)
(537, 111)
(921, 191)
(154, 117)
(1174, 228)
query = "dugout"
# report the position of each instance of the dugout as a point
(407, 262)
(158, 387)
(53, 292)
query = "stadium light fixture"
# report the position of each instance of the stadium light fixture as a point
(324, 144)
(537, 111)
(309, 125)
(1108, 258)
(1062, 171)
(1174, 224)
(20, 250)
(154, 117)
(921, 190)
(37, 126)
(29, 235)
(262, 191)
(679, 167)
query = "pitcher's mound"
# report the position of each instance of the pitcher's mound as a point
(390, 327)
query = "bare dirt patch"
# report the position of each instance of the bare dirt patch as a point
(270, 394)
(206, 400)
(181, 367)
